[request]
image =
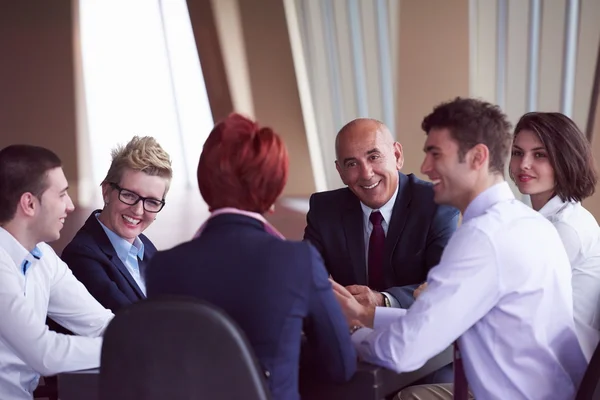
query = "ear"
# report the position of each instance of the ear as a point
(28, 204)
(399, 155)
(339, 170)
(480, 156)
(106, 192)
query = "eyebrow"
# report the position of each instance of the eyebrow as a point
(535, 148)
(430, 148)
(64, 190)
(374, 150)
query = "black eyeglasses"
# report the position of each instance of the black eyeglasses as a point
(131, 198)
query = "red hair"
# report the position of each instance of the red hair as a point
(242, 165)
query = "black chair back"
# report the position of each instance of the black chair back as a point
(590, 385)
(173, 348)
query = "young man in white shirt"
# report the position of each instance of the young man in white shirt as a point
(502, 288)
(34, 282)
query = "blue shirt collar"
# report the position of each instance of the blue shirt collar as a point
(492, 195)
(122, 246)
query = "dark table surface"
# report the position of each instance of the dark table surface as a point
(369, 383)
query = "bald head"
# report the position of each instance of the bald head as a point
(362, 128)
(368, 161)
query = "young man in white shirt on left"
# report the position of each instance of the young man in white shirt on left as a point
(34, 282)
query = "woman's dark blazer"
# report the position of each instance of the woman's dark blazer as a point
(95, 263)
(270, 287)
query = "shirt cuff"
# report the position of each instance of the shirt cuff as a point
(359, 335)
(393, 302)
(384, 316)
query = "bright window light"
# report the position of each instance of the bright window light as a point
(142, 76)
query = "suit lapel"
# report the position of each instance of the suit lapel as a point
(398, 220)
(354, 232)
(107, 248)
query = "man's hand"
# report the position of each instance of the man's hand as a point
(352, 309)
(419, 290)
(366, 296)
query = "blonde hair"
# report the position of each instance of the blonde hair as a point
(140, 154)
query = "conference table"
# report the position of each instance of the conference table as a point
(368, 383)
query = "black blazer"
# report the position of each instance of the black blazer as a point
(95, 263)
(270, 287)
(416, 237)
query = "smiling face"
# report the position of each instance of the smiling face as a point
(368, 161)
(530, 168)
(55, 204)
(128, 221)
(455, 182)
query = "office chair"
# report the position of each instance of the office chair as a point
(175, 348)
(590, 384)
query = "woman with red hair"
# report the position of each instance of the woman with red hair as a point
(240, 263)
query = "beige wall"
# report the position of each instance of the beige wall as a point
(37, 85)
(593, 203)
(433, 67)
(260, 68)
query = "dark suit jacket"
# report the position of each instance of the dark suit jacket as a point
(95, 263)
(269, 287)
(417, 234)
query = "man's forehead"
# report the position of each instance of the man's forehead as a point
(56, 178)
(439, 138)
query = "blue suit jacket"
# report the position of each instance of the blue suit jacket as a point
(269, 287)
(416, 237)
(95, 263)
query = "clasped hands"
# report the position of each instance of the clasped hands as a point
(358, 303)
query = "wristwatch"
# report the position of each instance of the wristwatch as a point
(386, 301)
(354, 328)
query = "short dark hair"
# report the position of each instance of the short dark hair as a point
(472, 122)
(23, 169)
(242, 165)
(569, 152)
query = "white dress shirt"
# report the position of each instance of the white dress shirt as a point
(503, 290)
(33, 285)
(580, 234)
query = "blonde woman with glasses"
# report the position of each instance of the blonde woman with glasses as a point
(110, 252)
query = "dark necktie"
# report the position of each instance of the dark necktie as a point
(376, 249)
(461, 386)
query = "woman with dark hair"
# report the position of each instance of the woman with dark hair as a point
(240, 263)
(552, 162)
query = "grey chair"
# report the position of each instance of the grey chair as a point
(173, 348)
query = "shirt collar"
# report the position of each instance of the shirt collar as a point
(553, 206)
(16, 251)
(492, 195)
(385, 210)
(122, 246)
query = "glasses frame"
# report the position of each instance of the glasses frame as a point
(143, 199)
